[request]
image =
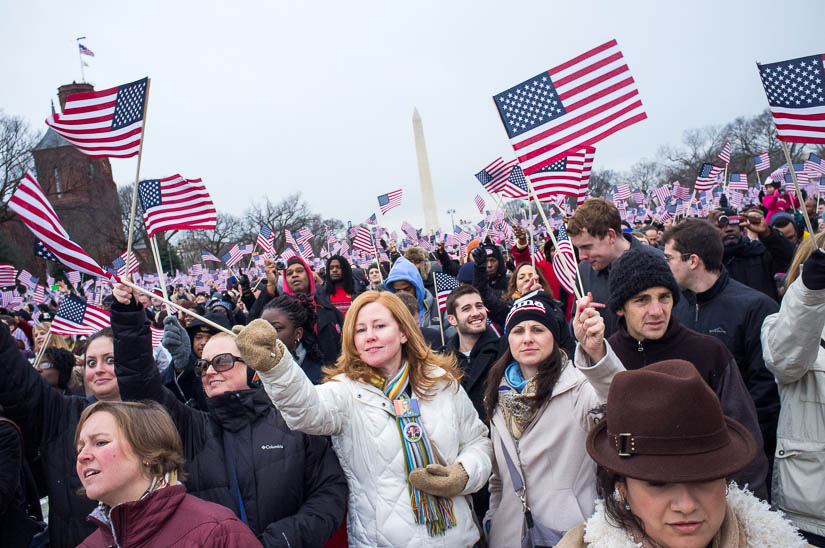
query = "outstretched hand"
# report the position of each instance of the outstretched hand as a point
(588, 326)
(123, 293)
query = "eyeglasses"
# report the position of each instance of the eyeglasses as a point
(725, 220)
(220, 363)
(683, 256)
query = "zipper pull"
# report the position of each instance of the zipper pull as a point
(640, 348)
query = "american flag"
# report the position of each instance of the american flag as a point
(708, 176)
(196, 270)
(735, 200)
(372, 220)
(662, 194)
(564, 261)
(39, 294)
(562, 177)
(738, 181)
(206, 256)
(8, 275)
(289, 238)
(725, 154)
(84, 50)
(157, 336)
(42, 251)
(28, 281)
(390, 200)
(815, 164)
(516, 185)
(589, 155)
(495, 175)
(762, 162)
(175, 203)
(444, 285)
(572, 105)
(778, 174)
(233, 257)
(75, 317)
(120, 264)
(479, 201)
(802, 176)
(363, 239)
(73, 276)
(105, 123)
(462, 237)
(246, 249)
(681, 192)
(31, 205)
(304, 235)
(622, 192)
(265, 238)
(795, 94)
(638, 197)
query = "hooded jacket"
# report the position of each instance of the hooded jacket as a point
(238, 447)
(404, 270)
(499, 280)
(329, 319)
(48, 421)
(717, 366)
(755, 262)
(168, 517)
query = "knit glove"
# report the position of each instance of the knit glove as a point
(259, 345)
(480, 255)
(813, 270)
(441, 481)
(176, 341)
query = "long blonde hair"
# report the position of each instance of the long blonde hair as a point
(58, 341)
(421, 359)
(802, 253)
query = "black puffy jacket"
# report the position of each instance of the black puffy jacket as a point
(488, 348)
(290, 489)
(755, 262)
(48, 421)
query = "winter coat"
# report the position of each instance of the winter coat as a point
(717, 366)
(364, 430)
(448, 265)
(165, 518)
(559, 474)
(500, 279)
(329, 319)
(48, 421)
(733, 313)
(792, 342)
(546, 267)
(488, 348)
(242, 430)
(776, 202)
(19, 504)
(744, 513)
(404, 270)
(755, 262)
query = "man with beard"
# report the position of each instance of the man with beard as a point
(340, 285)
(752, 262)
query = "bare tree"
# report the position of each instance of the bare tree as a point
(645, 174)
(16, 142)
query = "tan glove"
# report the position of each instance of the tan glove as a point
(441, 481)
(259, 345)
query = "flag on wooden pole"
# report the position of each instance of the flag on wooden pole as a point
(175, 203)
(75, 317)
(794, 89)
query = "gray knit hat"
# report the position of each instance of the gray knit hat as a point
(639, 269)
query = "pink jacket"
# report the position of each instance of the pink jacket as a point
(777, 202)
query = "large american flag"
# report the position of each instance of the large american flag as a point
(75, 317)
(31, 205)
(562, 177)
(762, 162)
(572, 105)
(363, 240)
(104, 123)
(738, 181)
(564, 261)
(265, 239)
(725, 154)
(444, 285)
(389, 200)
(175, 203)
(796, 96)
(708, 176)
(495, 175)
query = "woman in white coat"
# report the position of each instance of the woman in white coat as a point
(407, 436)
(541, 408)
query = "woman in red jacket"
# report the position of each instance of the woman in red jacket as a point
(129, 459)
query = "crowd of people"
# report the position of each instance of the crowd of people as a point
(679, 401)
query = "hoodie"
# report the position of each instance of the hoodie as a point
(404, 270)
(497, 281)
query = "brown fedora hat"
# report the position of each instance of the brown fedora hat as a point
(665, 424)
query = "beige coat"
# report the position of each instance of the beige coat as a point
(560, 476)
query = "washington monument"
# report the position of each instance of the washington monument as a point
(427, 196)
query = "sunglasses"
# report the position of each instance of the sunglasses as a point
(220, 363)
(725, 220)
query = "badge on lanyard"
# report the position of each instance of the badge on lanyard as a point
(406, 409)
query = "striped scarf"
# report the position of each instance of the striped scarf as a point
(434, 512)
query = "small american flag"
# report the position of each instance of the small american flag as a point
(390, 200)
(75, 317)
(725, 154)
(815, 164)
(157, 336)
(120, 264)
(8, 275)
(444, 285)
(681, 192)
(196, 270)
(233, 257)
(516, 185)
(495, 175)
(175, 203)
(622, 192)
(795, 94)
(304, 235)
(479, 203)
(662, 194)
(206, 256)
(265, 238)
(564, 261)
(39, 294)
(778, 174)
(363, 240)
(106, 123)
(570, 106)
(589, 156)
(738, 181)
(708, 176)
(73, 276)
(85, 51)
(762, 162)
(372, 220)
(28, 281)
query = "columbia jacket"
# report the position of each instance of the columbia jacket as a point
(792, 345)
(48, 421)
(364, 430)
(286, 486)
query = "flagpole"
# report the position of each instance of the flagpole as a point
(690, 202)
(137, 180)
(375, 250)
(799, 193)
(42, 348)
(252, 255)
(532, 255)
(440, 325)
(80, 58)
(159, 266)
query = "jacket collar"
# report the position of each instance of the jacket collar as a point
(234, 410)
(720, 284)
(624, 338)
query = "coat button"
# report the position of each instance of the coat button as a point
(781, 452)
(359, 396)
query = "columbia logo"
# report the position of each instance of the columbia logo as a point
(265, 447)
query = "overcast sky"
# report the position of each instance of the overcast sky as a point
(276, 97)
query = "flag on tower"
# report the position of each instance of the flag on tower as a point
(106, 123)
(84, 50)
(390, 200)
(795, 94)
(75, 317)
(175, 203)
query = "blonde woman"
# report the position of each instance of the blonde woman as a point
(407, 436)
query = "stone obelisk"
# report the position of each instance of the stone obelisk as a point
(427, 195)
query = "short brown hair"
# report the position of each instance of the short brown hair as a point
(698, 237)
(597, 215)
(148, 429)
(420, 357)
(456, 294)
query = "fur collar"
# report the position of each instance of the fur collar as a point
(763, 527)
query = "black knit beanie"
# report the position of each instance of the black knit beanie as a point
(635, 271)
(537, 306)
